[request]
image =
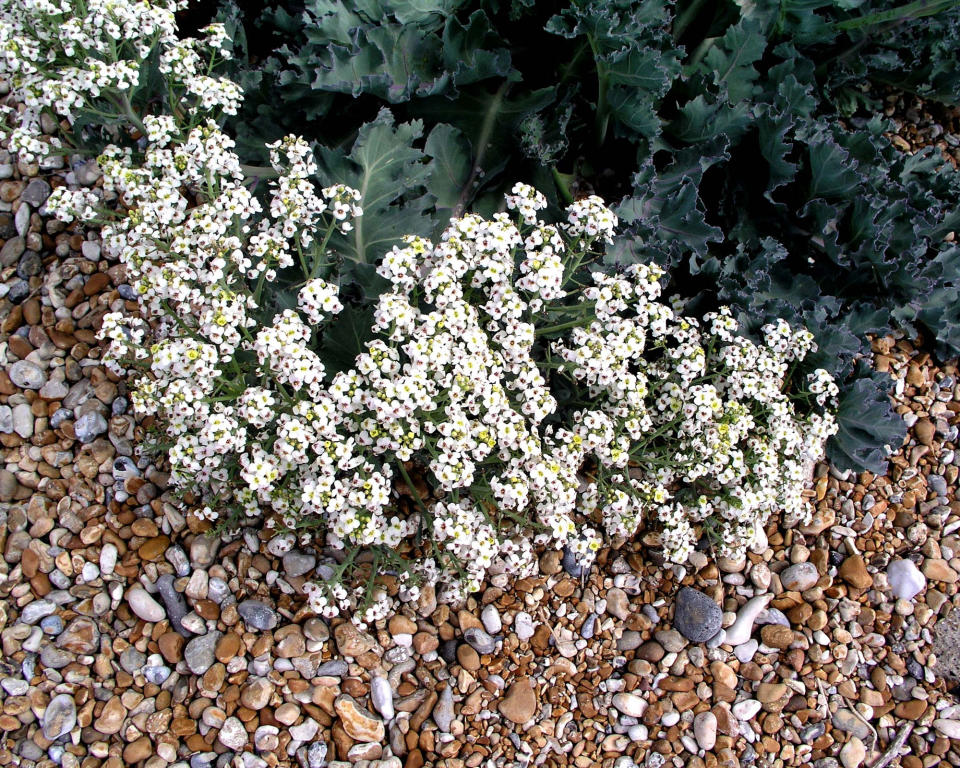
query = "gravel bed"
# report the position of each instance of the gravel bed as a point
(130, 637)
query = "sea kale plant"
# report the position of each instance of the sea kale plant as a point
(738, 142)
(499, 392)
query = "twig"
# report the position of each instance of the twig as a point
(899, 740)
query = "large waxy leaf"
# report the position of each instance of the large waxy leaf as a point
(869, 428)
(391, 175)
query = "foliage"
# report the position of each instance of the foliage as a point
(739, 139)
(536, 398)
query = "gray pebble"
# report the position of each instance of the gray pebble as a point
(173, 601)
(335, 668)
(27, 375)
(199, 652)
(59, 717)
(481, 641)
(132, 660)
(443, 711)
(89, 426)
(589, 626)
(38, 609)
(571, 564)
(257, 615)
(697, 617)
(36, 193)
(297, 563)
(30, 265)
(12, 251)
(51, 625)
(317, 754)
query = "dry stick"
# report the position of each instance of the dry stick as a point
(899, 740)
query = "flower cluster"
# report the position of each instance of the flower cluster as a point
(537, 402)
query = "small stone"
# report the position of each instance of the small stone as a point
(317, 755)
(746, 710)
(799, 577)
(740, 631)
(443, 711)
(571, 564)
(306, 730)
(630, 704)
(491, 619)
(482, 642)
(520, 703)
(948, 728)
(776, 636)
(26, 375)
(359, 724)
(381, 696)
(297, 563)
(144, 606)
(36, 193)
(618, 604)
(937, 569)
(81, 636)
(847, 721)
(924, 431)
(89, 426)
(853, 570)
(705, 730)
(232, 734)
(697, 617)
(905, 579)
(257, 615)
(200, 652)
(59, 717)
(351, 641)
(111, 717)
(523, 626)
(853, 753)
(256, 693)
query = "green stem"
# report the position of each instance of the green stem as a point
(562, 187)
(683, 20)
(486, 132)
(603, 84)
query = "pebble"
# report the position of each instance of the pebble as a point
(948, 728)
(905, 579)
(175, 604)
(232, 734)
(571, 564)
(705, 730)
(799, 577)
(26, 375)
(36, 193)
(359, 724)
(443, 710)
(89, 426)
(523, 626)
(520, 703)
(381, 695)
(854, 571)
(317, 755)
(199, 653)
(144, 606)
(257, 615)
(697, 617)
(59, 717)
(490, 617)
(482, 642)
(747, 709)
(853, 753)
(630, 704)
(618, 604)
(297, 563)
(741, 629)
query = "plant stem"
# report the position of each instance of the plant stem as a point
(486, 131)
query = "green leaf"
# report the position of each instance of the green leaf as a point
(730, 62)
(391, 175)
(832, 169)
(450, 168)
(869, 428)
(346, 337)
